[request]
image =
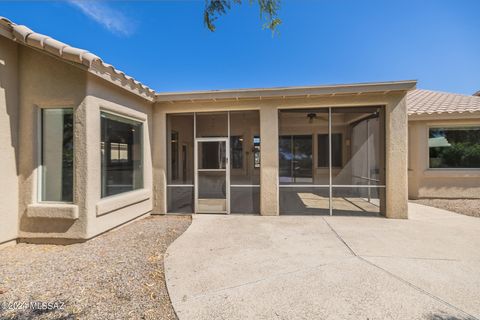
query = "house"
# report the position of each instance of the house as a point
(86, 148)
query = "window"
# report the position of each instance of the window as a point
(336, 150)
(236, 144)
(121, 153)
(256, 152)
(57, 155)
(455, 148)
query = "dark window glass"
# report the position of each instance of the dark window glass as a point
(121, 153)
(57, 155)
(212, 155)
(454, 147)
(336, 150)
(236, 146)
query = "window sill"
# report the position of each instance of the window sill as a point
(53, 211)
(122, 200)
(452, 173)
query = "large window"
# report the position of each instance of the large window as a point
(121, 152)
(454, 148)
(57, 155)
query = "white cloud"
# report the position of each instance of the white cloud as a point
(112, 19)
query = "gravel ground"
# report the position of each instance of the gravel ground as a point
(118, 275)
(469, 207)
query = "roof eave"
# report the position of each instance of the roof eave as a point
(283, 92)
(444, 116)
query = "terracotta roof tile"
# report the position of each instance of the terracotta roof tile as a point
(26, 36)
(434, 102)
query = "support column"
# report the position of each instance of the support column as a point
(159, 156)
(269, 161)
(396, 127)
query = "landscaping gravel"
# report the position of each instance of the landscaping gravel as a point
(469, 207)
(118, 275)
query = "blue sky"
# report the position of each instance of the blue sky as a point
(165, 45)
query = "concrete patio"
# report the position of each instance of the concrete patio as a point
(303, 267)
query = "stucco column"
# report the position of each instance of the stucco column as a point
(414, 160)
(396, 127)
(159, 156)
(269, 161)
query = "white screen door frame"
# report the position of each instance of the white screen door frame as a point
(212, 205)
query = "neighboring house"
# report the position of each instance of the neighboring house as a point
(444, 145)
(85, 148)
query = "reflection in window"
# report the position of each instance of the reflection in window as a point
(122, 164)
(57, 155)
(336, 150)
(454, 147)
(295, 154)
(118, 152)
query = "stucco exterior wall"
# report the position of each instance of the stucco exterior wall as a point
(8, 141)
(110, 212)
(46, 82)
(438, 183)
(396, 142)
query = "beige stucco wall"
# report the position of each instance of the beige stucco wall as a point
(46, 82)
(396, 143)
(438, 183)
(110, 212)
(8, 140)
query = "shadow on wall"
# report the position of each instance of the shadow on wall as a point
(45, 225)
(8, 85)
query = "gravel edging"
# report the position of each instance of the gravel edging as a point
(118, 275)
(469, 207)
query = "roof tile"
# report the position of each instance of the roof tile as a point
(94, 63)
(434, 102)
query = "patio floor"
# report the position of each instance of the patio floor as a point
(302, 267)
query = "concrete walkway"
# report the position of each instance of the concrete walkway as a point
(304, 267)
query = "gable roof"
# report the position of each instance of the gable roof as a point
(427, 102)
(93, 63)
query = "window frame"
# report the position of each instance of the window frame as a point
(446, 126)
(142, 147)
(39, 155)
